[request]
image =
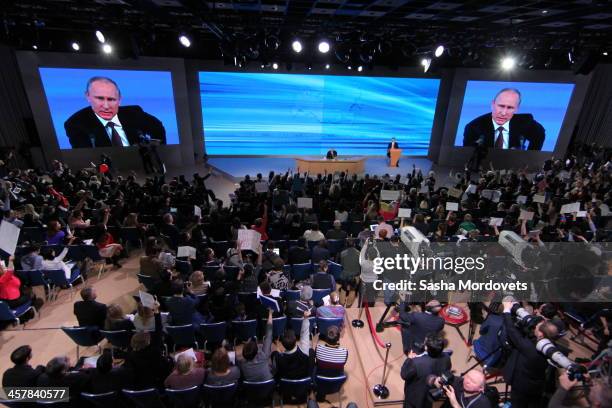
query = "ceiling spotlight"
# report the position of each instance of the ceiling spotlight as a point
(326, 66)
(544, 11)
(439, 51)
(349, 67)
(275, 65)
(107, 49)
(185, 41)
(297, 46)
(570, 57)
(507, 63)
(262, 66)
(76, 46)
(100, 36)
(360, 68)
(324, 47)
(605, 53)
(35, 47)
(426, 63)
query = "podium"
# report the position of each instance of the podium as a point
(394, 156)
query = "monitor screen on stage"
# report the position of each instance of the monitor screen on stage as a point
(292, 114)
(513, 115)
(107, 108)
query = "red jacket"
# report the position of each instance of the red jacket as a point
(9, 286)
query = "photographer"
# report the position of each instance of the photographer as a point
(466, 391)
(599, 395)
(526, 366)
(417, 369)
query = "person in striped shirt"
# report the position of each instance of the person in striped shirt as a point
(330, 357)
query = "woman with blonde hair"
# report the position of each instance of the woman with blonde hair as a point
(221, 371)
(116, 319)
(185, 374)
(198, 285)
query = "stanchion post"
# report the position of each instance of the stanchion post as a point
(381, 390)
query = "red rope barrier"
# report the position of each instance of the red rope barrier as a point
(372, 328)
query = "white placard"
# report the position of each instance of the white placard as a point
(304, 202)
(581, 214)
(452, 206)
(471, 189)
(389, 195)
(502, 172)
(9, 234)
(188, 353)
(186, 251)
(261, 187)
(454, 192)
(570, 208)
(424, 189)
(496, 221)
(493, 195)
(197, 211)
(146, 299)
(403, 180)
(526, 215)
(249, 240)
(404, 212)
(539, 198)
(521, 199)
(563, 174)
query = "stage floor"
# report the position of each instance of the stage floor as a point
(238, 167)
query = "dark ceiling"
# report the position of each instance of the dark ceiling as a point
(388, 32)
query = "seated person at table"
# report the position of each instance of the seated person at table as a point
(185, 374)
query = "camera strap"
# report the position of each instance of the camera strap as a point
(471, 402)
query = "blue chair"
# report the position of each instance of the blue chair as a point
(295, 323)
(148, 398)
(330, 385)
(219, 396)
(58, 279)
(210, 271)
(183, 335)
(83, 337)
(220, 247)
(213, 332)
(118, 338)
(12, 315)
(231, 272)
(300, 272)
(188, 398)
(278, 326)
(287, 270)
(244, 330)
(311, 245)
(105, 400)
(183, 267)
(147, 281)
(335, 246)
(335, 269)
(37, 278)
(259, 393)
(294, 391)
(75, 253)
(291, 294)
(323, 323)
(318, 295)
(92, 252)
(32, 234)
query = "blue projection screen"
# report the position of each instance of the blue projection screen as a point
(146, 106)
(291, 114)
(535, 124)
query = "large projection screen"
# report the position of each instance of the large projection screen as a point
(296, 114)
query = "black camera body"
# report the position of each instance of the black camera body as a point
(446, 378)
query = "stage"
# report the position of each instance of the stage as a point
(238, 167)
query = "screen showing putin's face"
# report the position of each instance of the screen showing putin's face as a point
(505, 106)
(104, 98)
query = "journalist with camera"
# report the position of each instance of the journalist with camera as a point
(467, 391)
(531, 344)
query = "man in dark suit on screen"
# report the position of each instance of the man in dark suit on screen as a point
(105, 123)
(503, 128)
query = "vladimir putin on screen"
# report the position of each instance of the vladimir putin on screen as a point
(105, 123)
(503, 128)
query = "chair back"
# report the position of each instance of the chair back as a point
(300, 272)
(329, 385)
(183, 267)
(295, 391)
(187, 398)
(218, 396)
(118, 338)
(6, 314)
(278, 326)
(183, 335)
(104, 400)
(231, 272)
(213, 332)
(335, 269)
(295, 323)
(37, 278)
(335, 245)
(259, 393)
(318, 295)
(148, 398)
(244, 330)
(323, 323)
(291, 294)
(147, 281)
(57, 277)
(83, 336)
(210, 271)
(91, 252)
(249, 300)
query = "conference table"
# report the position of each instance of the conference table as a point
(320, 166)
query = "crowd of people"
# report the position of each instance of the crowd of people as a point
(334, 238)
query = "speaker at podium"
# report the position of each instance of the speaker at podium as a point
(393, 153)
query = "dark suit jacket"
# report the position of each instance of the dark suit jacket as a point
(21, 376)
(415, 372)
(298, 255)
(331, 154)
(525, 367)
(90, 313)
(415, 326)
(84, 129)
(525, 132)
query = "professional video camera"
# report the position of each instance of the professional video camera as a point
(523, 319)
(446, 378)
(559, 360)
